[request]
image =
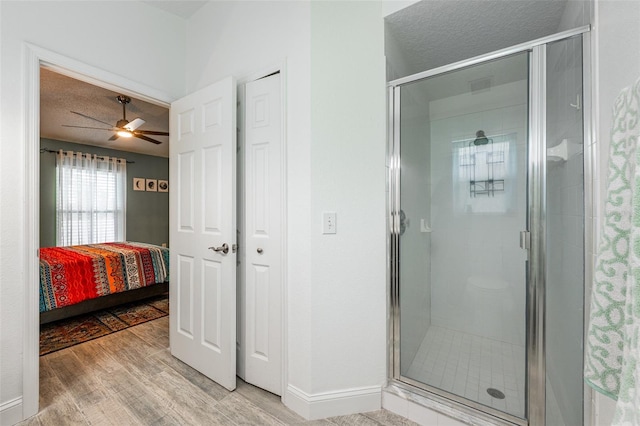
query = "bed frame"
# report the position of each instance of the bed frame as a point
(104, 302)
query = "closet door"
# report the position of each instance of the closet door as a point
(263, 223)
(203, 231)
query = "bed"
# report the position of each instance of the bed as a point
(79, 279)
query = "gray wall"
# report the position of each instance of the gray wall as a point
(147, 212)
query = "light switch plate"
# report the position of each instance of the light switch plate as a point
(329, 223)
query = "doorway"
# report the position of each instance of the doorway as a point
(39, 57)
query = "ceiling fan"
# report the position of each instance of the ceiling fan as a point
(123, 128)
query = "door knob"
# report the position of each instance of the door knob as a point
(259, 251)
(224, 248)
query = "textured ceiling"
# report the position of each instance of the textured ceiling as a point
(433, 33)
(59, 95)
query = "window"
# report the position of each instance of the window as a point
(91, 194)
(484, 178)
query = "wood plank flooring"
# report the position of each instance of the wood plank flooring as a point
(130, 378)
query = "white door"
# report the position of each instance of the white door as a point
(202, 158)
(262, 230)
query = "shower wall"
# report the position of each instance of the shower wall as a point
(415, 269)
(468, 245)
(565, 230)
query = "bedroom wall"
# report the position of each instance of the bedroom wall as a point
(93, 33)
(147, 213)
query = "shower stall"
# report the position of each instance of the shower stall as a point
(487, 233)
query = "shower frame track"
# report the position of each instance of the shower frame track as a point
(438, 399)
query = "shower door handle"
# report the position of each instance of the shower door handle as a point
(525, 240)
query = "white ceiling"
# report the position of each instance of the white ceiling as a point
(59, 95)
(182, 8)
(433, 33)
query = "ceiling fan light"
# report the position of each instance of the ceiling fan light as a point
(124, 133)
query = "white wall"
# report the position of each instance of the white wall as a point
(335, 112)
(242, 39)
(397, 64)
(617, 65)
(93, 33)
(337, 293)
(348, 146)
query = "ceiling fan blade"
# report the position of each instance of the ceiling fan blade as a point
(91, 118)
(114, 137)
(134, 124)
(86, 127)
(151, 132)
(144, 138)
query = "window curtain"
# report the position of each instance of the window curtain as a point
(91, 197)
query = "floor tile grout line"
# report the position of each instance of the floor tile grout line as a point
(491, 373)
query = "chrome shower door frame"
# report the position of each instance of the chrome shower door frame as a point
(436, 398)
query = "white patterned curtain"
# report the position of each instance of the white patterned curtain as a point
(91, 198)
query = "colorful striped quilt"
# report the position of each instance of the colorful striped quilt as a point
(69, 275)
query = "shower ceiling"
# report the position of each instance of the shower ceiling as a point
(462, 81)
(433, 33)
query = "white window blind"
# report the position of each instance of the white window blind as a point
(91, 198)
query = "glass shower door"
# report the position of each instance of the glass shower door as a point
(462, 205)
(565, 234)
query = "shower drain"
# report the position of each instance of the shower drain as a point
(495, 393)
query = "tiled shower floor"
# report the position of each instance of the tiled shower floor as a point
(467, 365)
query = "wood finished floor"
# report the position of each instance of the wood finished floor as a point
(129, 378)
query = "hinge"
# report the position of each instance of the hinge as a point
(525, 240)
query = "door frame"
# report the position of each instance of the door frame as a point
(443, 401)
(276, 67)
(35, 57)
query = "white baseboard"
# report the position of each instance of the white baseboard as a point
(11, 412)
(334, 403)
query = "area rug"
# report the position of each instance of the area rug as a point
(69, 332)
